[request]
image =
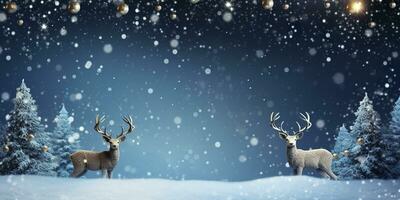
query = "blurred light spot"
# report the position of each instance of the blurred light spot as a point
(338, 78)
(5, 96)
(242, 158)
(227, 16)
(320, 123)
(207, 71)
(177, 120)
(217, 144)
(254, 141)
(174, 43)
(260, 53)
(88, 64)
(3, 17)
(107, 48)
(312, 51)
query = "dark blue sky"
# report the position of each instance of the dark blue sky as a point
(201, 88)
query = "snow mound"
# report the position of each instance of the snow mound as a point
(286, 188)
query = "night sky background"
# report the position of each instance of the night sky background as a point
(201, 87)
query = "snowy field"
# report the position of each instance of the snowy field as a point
(286, 188)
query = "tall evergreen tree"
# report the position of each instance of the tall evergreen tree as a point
(343, 166)
(369, 151)
(65, 142)
(392, 140)
(25, 139)
(3, 143)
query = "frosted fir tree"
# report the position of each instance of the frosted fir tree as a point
(65, 142)
(343, 166)
(3, 143)
(394, 125)
(369, 150)
(392, 140)
(344, 141)
(26, 143)
(373, 155)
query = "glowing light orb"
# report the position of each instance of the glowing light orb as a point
(392, 4)
(267, 4)
(356, 6)
(123, 9)
(74, 6)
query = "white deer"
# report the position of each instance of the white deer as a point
(105, 161)
(298, 159)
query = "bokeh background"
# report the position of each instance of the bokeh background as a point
(200, 78)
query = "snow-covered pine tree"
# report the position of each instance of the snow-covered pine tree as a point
(65, 142)
(3, 143)
(26, 141)
(343, 166)
(344, 141)
(369, 151)
(392, 140)
(394, 125)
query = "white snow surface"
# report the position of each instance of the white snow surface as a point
(283, 187)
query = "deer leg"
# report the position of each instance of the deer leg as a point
(323, 173)
(299, 171)
(331, 174)
(82, 173)
(75, 173)
(104, 173)
(78, 172)
(109, 173)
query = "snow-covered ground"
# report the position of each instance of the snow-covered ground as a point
(286, 188)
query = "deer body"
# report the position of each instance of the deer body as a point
(318, 159)
(91, 160)
(106, 160)
(298, 159)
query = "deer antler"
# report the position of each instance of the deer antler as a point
(273, 118)
(98, 129)
(305, 118)
(129, 121)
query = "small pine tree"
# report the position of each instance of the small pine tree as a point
(343, 166)
(394, 125)
(65, 142)
(25, 139)
(369, 150)
(344, 141)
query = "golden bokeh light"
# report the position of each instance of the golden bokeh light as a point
(356, 6)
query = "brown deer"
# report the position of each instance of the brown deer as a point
(298, 159)
(105, 161)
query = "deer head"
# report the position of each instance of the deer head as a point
(284, 135)
(114, 142)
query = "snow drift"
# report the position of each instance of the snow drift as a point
(286, 188)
